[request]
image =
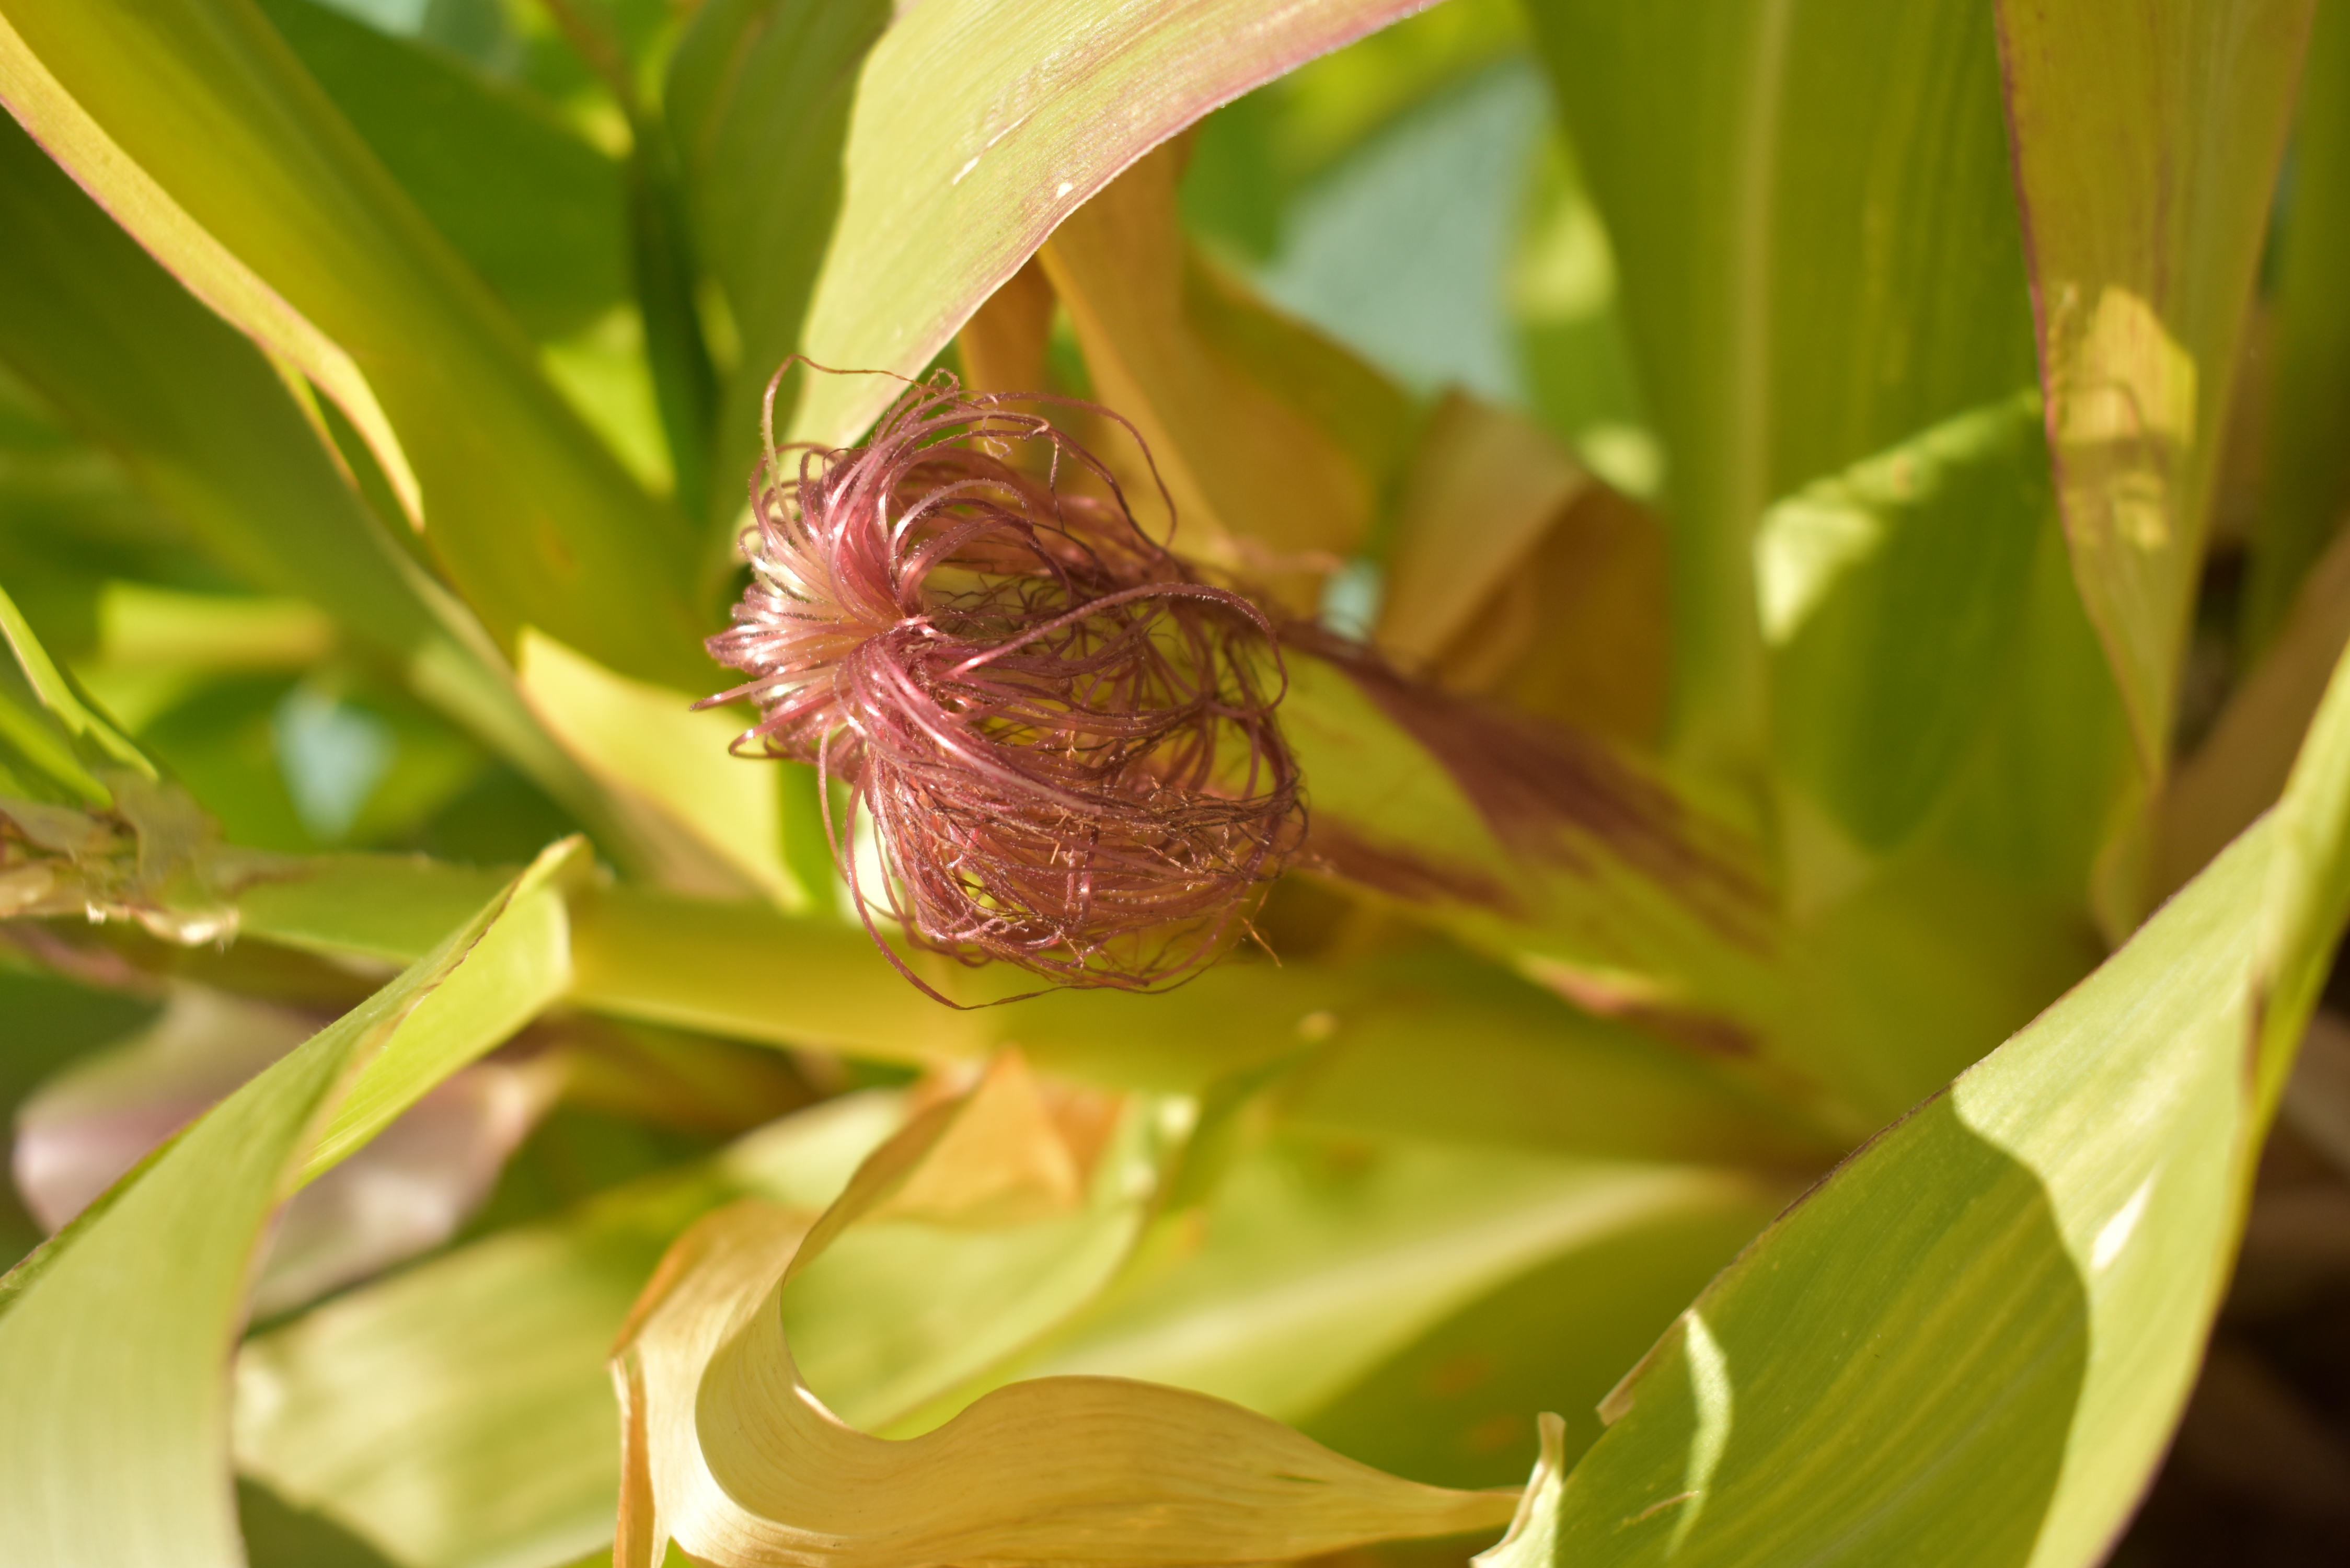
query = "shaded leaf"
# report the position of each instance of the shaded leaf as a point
(1973, 1340)
(2305, 483)
(2146, 150)
(676, 348)
(529, 203)
(1816, 258)
(279, 1536)
(1464, 1405)
(1890, 596)
(2054, 770)
(207, 426)
(758, 103)
(47, 108)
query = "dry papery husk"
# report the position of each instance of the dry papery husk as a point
(728, 1453)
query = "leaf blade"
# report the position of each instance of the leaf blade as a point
(970, 140)
(534, 516)
(118, 1436)
(1983, 1327)
(2145, 155)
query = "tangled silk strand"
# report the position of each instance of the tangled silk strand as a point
(1063, 742)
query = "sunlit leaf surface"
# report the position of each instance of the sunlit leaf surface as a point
(1078, 1468)
(1816, 250)
(1755, 727)
(460, 1414)
(2145, 155)
(113, 1336)
(2074, 1201)
(970, 140)
(310, 246)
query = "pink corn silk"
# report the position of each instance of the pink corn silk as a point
(1063, 739)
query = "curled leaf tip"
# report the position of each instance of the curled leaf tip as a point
(727, 1453)
(1061, 741)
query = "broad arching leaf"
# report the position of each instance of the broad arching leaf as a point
(1968, 1347)
(196, 125)
(976, 131)
(114, 1336)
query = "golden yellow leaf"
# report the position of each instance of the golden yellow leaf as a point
(728, 1453)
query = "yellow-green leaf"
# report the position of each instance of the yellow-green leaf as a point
(717, 818)
(197, 126)
(1969, 1346)
(114, 1336)
(212, 272)
(459, 1415)
(2146, 150)
(975, 133)
(1077, 1469)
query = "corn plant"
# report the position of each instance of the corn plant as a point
(827, 783)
